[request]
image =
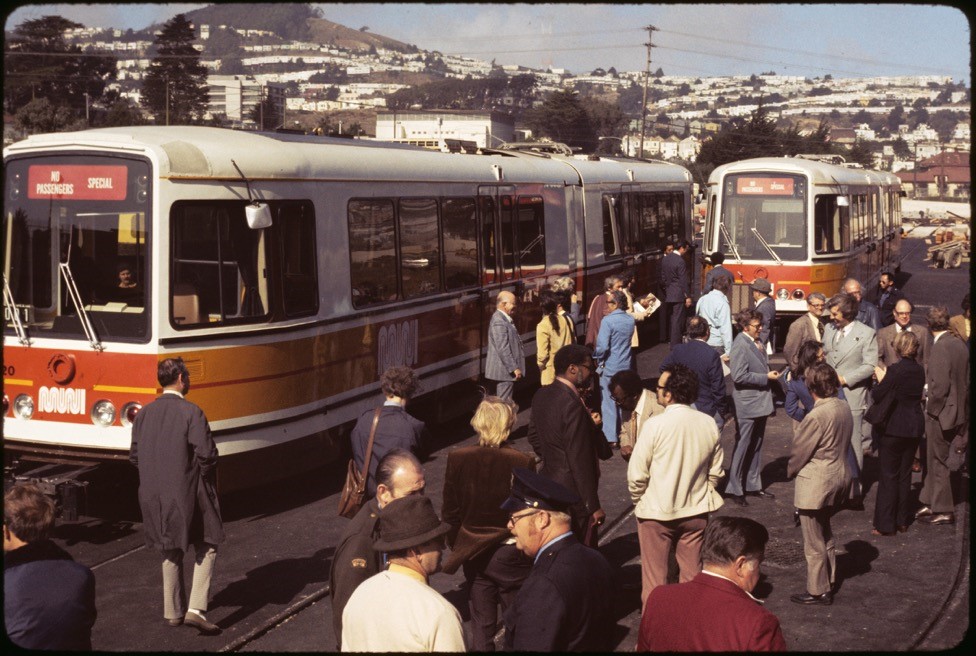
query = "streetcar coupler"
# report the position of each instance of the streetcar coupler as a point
(59, 482)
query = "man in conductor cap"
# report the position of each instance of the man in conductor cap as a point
(565, 603)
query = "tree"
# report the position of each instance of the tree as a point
(175, 87)
(562, 118)
(917, 116)
(944, 122)
(122, 112)
(659, 72)
(901, 149)
(267, 114)
(861, 154)
(41, 115)
(39, 63)
(896, 117)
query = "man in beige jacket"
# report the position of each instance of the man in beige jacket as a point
(818, 461)
(675, 466)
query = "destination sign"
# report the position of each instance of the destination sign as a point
(764, 186)
(77, 182)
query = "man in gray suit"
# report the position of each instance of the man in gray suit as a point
(808, 327)
(505, 358)
(903, 322)
(852, 349)
(753, 401)
(177, 461)
(946, 415)
(817, 460)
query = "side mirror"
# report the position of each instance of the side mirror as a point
(258, 215)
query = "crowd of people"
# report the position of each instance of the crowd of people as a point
(523, 527)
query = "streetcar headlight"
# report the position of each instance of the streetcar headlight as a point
(798, 294)
(129, 412)
(782, 293)
(103, 413)
(24, 407)
(6, 405)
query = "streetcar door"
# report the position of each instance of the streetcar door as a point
(496, 228)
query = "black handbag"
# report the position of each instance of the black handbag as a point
(879, 412)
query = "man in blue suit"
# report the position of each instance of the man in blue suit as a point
(867, 312)
(613, 354)
(675, 284)
(505, 358)
(705, 361)
(566, 603)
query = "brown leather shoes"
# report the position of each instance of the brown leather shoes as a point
(938, 518)
(200, 623)
(174, 622)
(923, 511)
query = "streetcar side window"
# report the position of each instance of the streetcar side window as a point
(419, 247)
(628, 216)
(507, 237)
(611, 206)
(531, 227)
(831, 225)
(219, 266)
(299, 274)
(372, 251)
(460, 242)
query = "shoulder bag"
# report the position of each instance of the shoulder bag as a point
(354, 489)
(877, 415)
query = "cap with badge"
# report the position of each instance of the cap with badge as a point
(532, 490)
(761, 285)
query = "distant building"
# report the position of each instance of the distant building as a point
(235, 96)
(843, 136)
(430, 128)
(945, 175)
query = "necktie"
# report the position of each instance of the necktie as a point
(840, 333)
(820, 331)
(633, 426)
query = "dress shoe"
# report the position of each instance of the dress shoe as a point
(200, 623)
(938, 518)
(737, 500)
(857, 503)
(923, 511)
(903, 529)
(808, 599)
(796, 518)
(762, 494)
(888, 534)
(174, 622)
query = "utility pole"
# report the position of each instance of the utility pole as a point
(167, 101)
(647, 74)
(87, 122)
(943, 183)
(915, 171)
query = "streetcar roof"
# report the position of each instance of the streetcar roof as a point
(197, 152)
(821, 173)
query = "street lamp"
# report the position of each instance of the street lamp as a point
(87, 122)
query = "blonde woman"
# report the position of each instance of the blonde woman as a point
(478, 480)
(554, 331)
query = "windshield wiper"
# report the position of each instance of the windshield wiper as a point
(762, 240)
(8, 299)
(728, 239)
(86, 324)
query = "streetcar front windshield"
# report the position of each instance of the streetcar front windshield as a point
(764, 214)
(76, 247)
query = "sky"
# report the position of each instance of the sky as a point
(843, 40)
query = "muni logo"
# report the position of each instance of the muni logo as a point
(396, 345)
(61, 400)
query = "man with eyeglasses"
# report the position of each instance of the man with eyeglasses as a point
(566, 435)
(672, 479)
(808, 327)
(566, 603)
(902, 322)
(636, 404)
